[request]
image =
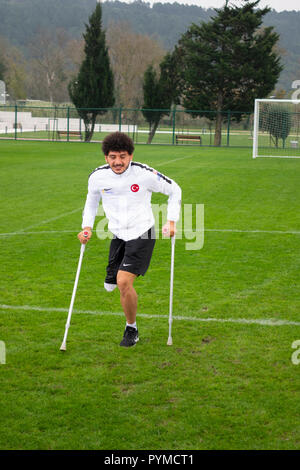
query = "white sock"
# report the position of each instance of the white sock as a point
(133, 325)
(109, 287)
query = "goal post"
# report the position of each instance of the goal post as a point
(276, 131)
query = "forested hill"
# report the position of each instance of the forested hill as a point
(20, 20)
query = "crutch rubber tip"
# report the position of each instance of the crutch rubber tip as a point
(170, 341)
(63, 347)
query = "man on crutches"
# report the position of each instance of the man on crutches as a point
(125, 188)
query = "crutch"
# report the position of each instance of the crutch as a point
(64, 343)
(170, 341)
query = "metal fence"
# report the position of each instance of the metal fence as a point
(176, 127)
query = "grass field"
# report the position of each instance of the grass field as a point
(243, 139)
(235, 138)
(228, 381)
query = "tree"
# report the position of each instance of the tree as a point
(93, 88)
(2, 68)
(160, 92)
(130, 54)
(55, 59)
(48, 66)
(228, 62)
(13, 70)
(167, 22)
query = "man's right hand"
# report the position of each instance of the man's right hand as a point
(85, 235)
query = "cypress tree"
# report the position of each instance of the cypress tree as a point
(2, 69)
(160, 92)
(93, 88)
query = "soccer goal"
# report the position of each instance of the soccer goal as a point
(276, 128)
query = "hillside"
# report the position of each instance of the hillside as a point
(22, 19)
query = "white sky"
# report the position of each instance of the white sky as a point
(278, 5)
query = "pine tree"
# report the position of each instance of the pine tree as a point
(2, 69)
(93, 88)
(228, 62)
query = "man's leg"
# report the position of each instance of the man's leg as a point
(128, 295)
(116, 254)
(137, 256)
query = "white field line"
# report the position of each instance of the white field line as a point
(36, 233)
(291, 232)
(174, 160)
(44, 222)
(275, 232)
(241, 321)
(277, 156)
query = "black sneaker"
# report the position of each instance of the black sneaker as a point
(130, 338)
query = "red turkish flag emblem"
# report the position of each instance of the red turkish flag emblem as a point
(134, 188)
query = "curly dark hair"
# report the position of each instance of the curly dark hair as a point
(118, 142)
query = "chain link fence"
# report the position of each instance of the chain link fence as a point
(176, 127)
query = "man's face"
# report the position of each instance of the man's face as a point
(118, 161)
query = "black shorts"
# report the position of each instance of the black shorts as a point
(133, 256)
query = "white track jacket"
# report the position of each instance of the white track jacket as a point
(126, 199)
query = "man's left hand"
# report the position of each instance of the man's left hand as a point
(169, 229)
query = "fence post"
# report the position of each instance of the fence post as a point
(228, 127)
(120, 119)
(68, 124)
(16, 120)
(174, 122)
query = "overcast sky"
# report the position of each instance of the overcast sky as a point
(278, 5)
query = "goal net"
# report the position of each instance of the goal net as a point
(276, 128)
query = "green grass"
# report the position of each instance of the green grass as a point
(222, 385)
(236, 138)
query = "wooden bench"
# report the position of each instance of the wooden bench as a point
(188, 137)
(70, 133)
